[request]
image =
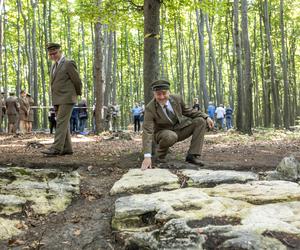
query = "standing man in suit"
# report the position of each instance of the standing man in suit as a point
(23, 112)
(12, 107)
(66, 85)
(31, 114)
(167, 121)
(2, 110)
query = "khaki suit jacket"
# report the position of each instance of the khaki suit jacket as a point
(65, 82)
(12, 105)
(156, 120)
(24, 109)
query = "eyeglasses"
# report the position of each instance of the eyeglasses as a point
(53, 53)
(161, 92)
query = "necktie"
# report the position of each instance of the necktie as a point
(55, 67)
(171, 115)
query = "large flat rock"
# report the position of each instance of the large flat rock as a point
(131, 211)
(43, 190)
(137, 180)
(258, 192)
(207, 177)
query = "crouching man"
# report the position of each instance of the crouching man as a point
(168, 120)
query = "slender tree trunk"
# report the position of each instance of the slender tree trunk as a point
(151, 45)
(42, 66)
(18, 84)
(239, 89)
(286, 90)
(98, 75)
(275, 92)
(114, 81)
(247, 72)
(34, 65)
(202, 64)
(2, 84)
(213, 60)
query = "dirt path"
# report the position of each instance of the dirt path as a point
(100, 161)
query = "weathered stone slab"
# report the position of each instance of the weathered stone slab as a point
(229, 237)
(137, 180)
(207, 177)
(281, 217)
(175, 234)
(10, 204)
(8, 228)
(44, 190)
(130, 211)
(47, 190)
(258, 192)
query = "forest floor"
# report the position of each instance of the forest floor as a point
(102, 160)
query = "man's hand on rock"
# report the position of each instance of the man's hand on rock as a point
(147, 163)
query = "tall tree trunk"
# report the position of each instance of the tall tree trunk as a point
(275, 92)
(248, 107)
(98, 75)
(34, 65)
(18, 84)
(151, 45)
(239, 81)
(108, 76)
(84, 57)
(114, 80)
(213, 60)
(42, 66)
(202, 63)
(2, 84)
(286, 90)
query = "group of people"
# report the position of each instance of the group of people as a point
(167, 120)
(220, 115)
(19, 112)
(79, 117)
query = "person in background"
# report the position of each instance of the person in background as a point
(115, 117)
(30, 116)
(65, 85)
(82, 114)
(136, 113)
(142, 113)
(220, 114)
(228, 114)
(12, 108)
(211, 110)
(52, 119)
(167, 121)
(74, 120)
(196, 105)
(23, 112)
(2, 110)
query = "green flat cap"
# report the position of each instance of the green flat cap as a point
(160, 85)
(52, 46)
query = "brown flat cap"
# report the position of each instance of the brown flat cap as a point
(52, 46)
(28, 94)
(160, 85)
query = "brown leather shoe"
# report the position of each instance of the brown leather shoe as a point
(194, 159)
(51, 152)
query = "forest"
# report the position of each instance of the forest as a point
(239, 53)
